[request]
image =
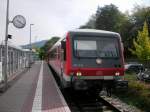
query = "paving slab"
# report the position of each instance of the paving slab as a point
(35, 91)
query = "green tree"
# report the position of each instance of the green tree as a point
(139, 15)
(142, 44)
(129, 29)
(109, 18)
(90, 24)
(43, 51)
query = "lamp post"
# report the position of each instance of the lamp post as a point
(6, 49)
(19, 22)
(30, 45)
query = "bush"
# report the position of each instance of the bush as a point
(138, 93)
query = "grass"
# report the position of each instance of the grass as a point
(138, 93)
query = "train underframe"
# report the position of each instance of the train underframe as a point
(96, 85)
(79, 83)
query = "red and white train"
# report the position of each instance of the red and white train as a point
(88, 59)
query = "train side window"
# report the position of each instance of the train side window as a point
(63, 46)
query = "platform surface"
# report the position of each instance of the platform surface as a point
(35, 91)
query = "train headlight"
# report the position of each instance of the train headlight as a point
(78, 73)
(117, 73)
(98, 61)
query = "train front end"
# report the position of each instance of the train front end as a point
(96, 60)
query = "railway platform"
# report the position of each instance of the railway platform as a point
(35, 91)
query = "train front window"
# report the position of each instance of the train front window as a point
(107, 48)
(102, 47)
(85, 48)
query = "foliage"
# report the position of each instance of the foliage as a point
(109, 18)
(41, 53)
(137, 94)
(142, 44)
(90, 24)
(43, 50)
(140, 14)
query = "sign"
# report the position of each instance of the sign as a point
(19, 21)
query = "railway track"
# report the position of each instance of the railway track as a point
(118, 104)
(86, 102)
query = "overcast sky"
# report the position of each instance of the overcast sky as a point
(54, 17)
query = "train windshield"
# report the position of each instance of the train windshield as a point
(102, 47)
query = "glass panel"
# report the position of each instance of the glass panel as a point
(107, 48)
(85, 48)
(85, 45)
(100, 47)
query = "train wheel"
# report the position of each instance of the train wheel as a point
(109, 91)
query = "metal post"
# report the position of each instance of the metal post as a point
(30, 47)
(6, 47)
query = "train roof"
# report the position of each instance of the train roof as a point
(94, 31)
(85, 31)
